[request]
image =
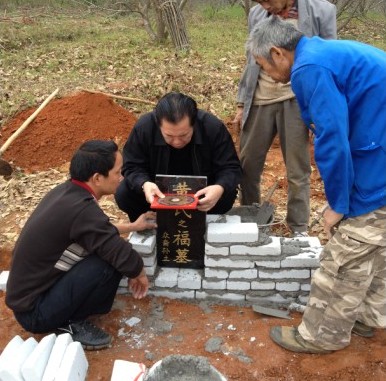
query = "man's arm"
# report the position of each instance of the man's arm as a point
(323, 105)
(225, 162)
(256, 15)
(143, 222)
(136, 155)
(322, 15)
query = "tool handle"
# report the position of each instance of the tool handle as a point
(26, 123)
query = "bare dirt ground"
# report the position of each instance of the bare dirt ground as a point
(245, 351)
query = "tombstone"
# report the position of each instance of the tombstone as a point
(181, 227)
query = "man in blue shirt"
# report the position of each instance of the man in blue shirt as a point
(340, 88)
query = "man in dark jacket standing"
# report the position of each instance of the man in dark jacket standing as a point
(69, 258)
(178, 139)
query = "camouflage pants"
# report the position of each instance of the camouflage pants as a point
(350, 283)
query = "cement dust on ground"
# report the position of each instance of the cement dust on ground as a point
(233, 338)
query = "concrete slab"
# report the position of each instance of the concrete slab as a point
(33, 368)
(74, 364)
(56, 356)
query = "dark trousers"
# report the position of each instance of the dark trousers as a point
(87, 289)
(134, 204)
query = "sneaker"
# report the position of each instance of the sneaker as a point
(290, 338)
(363, 330)
(90, 336)
(300, 235)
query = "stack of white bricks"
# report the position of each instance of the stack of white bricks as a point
(54, 358)
(241, 265)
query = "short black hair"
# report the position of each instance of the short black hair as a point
(174, 107)
(93, 156)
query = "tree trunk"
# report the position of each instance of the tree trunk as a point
(175, 24)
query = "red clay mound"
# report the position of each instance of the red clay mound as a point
(61, 127)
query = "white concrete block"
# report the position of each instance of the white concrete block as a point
(56, 356)
(3, 280)
(11, 371)
(173, 294)
(214, 284)
(233, 232)
(258, 285)
(74, 364)
(149, 260)
(287, 286)
(229, 263)
(276, 298)
(268, 264)
(305, 287)
(303, 299)
(304, 259)
(222, 218)
(216, 273)
(34, 366)
(167, 277)
(128, 371)
(213, 250)
(235, 285)
(243, 274)
(284, 274)
(150, 270)
(271, 249)
(311, 241)
(9, 353)
(143, 243)
(228, 296)
(124, 282)
(190, 279)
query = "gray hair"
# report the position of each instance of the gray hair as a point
(272, 32)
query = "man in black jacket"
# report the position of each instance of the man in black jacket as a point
(178, 139)
(69, 258)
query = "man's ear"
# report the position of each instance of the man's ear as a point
(95, 178)
(276, 53)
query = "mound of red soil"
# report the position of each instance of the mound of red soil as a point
(61, 127)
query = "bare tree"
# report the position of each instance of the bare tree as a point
(162, 18)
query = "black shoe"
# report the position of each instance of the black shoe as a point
(90, 336)
(363, 330)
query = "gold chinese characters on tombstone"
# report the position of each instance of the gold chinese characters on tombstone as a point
(181, 227)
